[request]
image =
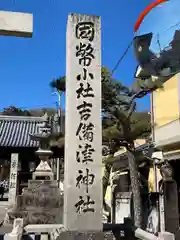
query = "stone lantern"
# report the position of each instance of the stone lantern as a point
(43, 170)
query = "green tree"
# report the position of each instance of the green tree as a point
(111, 88)
(122, 133)
(59, 84)
(123, 126)
(14, 111)
(39, 112)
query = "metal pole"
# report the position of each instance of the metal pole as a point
(61, 119)
(59, 129)
(152, 117)
(58, 171)
(59, 111)
(154, 162)
(60, 126)
(153, 140)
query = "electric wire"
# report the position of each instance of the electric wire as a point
(122, 57)
(131, 42)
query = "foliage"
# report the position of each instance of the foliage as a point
(140, 127)
(121, 127)
(116, 99)
(14, 111)
(121, 123)
(38, 112)
(115, 96)
(111, 89)
(59, 84)
(112, 92)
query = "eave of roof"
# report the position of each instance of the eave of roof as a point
(22, 118)
(14, 131)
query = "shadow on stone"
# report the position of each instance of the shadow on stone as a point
(40, 203)
(90, 235)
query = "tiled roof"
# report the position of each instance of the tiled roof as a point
(14, 131)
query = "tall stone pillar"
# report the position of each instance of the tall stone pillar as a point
(83, 203)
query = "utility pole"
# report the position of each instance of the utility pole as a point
(157, 156)
(153, 140)
(59, 110)
(59, 131)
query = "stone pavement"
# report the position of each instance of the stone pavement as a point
(3, 209)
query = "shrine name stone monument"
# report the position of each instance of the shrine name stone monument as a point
(83, 139)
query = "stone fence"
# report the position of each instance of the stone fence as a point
(143, 235)
(52, 232)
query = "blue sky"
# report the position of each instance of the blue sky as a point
(28, 65)
(162, 21)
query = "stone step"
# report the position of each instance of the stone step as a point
(5, 229)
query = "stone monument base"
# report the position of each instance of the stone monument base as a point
(40, 203)
(90, 235)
